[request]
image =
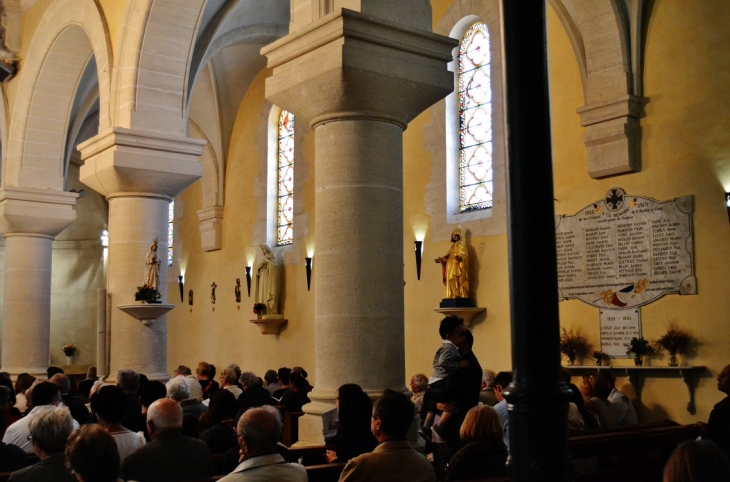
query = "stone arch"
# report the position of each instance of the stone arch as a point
(210, 217)
(70, 34)
(156, 49)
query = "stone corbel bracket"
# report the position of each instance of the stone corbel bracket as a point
(210, 220)
(271, 325)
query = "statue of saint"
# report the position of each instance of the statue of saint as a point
(152, 267)
(237, 290)
(267, 282)
(212, 292)
(455, 268)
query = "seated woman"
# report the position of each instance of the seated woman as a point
(299, 390)
(22, 384)
(206, 374)
(221, 435)
(109, 404)
(484, 454)
(353, 435)
(596, 389)
(92, 455)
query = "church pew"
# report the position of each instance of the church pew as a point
(290, 429)
(325, 473)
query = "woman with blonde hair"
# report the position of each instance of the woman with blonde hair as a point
(484, 454)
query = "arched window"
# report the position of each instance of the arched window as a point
(170, 219)
(475, 120)
(285, 179)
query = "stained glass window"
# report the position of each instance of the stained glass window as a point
(285, 199)
(170, 217)
(475, 120)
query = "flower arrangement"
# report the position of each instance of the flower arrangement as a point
(638, 347)
(676, 340)
(574, 343)
(599, 356)
(259, 308)
(147, 294)
(69, 349)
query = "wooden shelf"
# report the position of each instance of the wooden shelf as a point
(637, 374)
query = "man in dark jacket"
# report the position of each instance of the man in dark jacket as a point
(718, 425)
(79, 412)
(170, 455)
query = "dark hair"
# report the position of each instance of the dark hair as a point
(448, 325)
(5, 381)
(191, 424)
(45, 393)
(270, 376)
(110, 402)
(23, 382)
(6, 395)
(301, 371)
(283, 375)
(395, 412)
(211, 372)
(503, 379)
(92, 453)
(298, 380)
(697, 461)
(565, 375)
(154, 390)
(468, 338)
(143, 381)
(50, 371)
(223, 406)
(600, 386)
(356, 408)
(3, 419)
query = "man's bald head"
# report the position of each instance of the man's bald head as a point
(163, 415)
(260, 429)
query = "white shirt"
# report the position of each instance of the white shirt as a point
(267, 468)
(623, 408)
(231, 388)
(128, 442)
(501, 409)
(196, 390)
(18, 432)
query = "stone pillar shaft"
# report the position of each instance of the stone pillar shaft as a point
(134, 222)
(26, 332)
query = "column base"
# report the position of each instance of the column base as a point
(41, 373)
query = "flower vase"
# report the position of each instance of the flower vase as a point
(571, 361)
(258, 316)
(673, 362)
(598, 362)
(69, 360)
(638, 361)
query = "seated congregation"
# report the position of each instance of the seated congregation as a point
(454, 427)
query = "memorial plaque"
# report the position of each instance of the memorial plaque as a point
(626, 251)
(618, 327)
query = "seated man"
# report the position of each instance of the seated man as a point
(394, 457)
(170, 455)
(49, 431)
(78, 410)
(178, 389)
(718, 425)
(45, 396)
(486, 396)
(621, 405)
(259, 430)
(501, 381)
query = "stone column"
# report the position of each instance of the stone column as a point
(139, 173)
(30, 219)
(357, 81)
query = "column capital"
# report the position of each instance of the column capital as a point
(125, 161)
(35, 212)
(348, 65)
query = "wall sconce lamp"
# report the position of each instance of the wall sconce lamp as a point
(419, 247)
(180, 284)
(727, 203)
(248, 280)
(308, 267)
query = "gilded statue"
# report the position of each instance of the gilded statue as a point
(152, 267)
(455, 268)
(267, 282)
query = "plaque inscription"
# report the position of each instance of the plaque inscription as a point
(626, 251)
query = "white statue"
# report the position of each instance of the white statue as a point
(152, 267)
(267, 282)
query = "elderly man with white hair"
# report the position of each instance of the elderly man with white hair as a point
(259, 430)
(178, 389)
(49, 430)
(170, 455)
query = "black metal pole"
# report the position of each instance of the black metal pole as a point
(538, 400)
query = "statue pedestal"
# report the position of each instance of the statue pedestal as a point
(270, 324)
(146, 313)
(467, 314)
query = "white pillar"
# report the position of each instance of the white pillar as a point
(29, 220)
(139, 173)
(358, 95)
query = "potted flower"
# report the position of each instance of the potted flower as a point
(69, 350)
(676, 340)
(147, 295)
(259, 309)
(573, 343)
(598, 357)
(638, 347)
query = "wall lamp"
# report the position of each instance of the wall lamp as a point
(308, 267)
(727, 203)
(180, 284)
(419, 247)
(248, 280)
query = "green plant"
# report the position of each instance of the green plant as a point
(69, 349)
(676, 340)
(638, 347)
(147, 294)
(259, 308)
(574, 343)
